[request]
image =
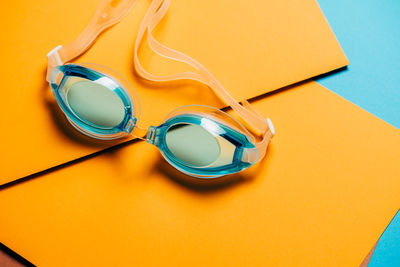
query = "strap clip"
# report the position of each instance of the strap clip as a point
(53, 60)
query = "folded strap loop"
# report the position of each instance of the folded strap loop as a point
(108, 13)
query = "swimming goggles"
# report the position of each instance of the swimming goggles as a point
(198, 140)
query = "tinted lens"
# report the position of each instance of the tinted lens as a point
(199, 147)
(94, 102)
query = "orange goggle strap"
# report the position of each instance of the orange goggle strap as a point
(110, 12)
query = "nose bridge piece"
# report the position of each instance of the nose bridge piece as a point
(139, 132)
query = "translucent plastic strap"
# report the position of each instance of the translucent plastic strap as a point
(155, 13)
(108, 13)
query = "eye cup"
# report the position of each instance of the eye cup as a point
(94, 100)
(203, 142)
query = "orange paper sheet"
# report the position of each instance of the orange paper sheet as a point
(324, 193)
(252, 47)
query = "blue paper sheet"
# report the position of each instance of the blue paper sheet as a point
(369, 32)
(387, 251)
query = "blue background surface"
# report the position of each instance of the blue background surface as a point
(369, 33)
(387, 250)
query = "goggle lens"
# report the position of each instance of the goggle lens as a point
(95, 103)
(192, 144)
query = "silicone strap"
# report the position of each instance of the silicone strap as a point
(155, 13)
(108, 13)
